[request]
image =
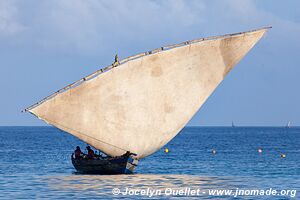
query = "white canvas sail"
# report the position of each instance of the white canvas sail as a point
(141, 104)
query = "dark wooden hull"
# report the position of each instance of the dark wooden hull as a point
(120, 165)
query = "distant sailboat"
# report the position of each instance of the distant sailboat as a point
(232, 125)
(132, 108)
(288, 124)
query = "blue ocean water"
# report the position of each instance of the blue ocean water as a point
(35, 163)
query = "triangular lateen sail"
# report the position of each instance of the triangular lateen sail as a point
(141, 104)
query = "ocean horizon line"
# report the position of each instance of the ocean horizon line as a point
(189, 126)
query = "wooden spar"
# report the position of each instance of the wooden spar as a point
(157, 50)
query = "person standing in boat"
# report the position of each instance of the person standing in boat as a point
(116, 63)
(78, 153)
(91, 153)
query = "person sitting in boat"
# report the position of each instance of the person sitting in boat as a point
(78, 153)
(127, 154)
(91, 153)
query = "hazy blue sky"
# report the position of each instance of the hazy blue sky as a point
(45, 45)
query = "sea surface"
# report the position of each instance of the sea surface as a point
(35, 164)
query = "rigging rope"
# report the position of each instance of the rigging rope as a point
(53, 123)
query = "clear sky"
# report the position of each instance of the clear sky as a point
(45, 45)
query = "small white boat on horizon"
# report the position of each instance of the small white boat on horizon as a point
(288, 125)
